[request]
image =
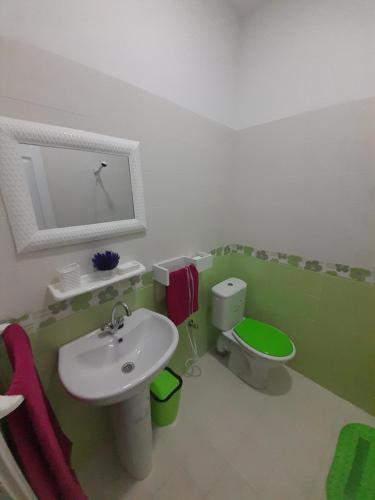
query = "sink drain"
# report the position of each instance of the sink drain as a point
(128, 367)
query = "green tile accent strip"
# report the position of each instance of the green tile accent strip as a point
(359, 274)
(58, 307)
(339, 270)
(330, 320)
(81, 301)
(294, 260)
(249, 251)
(107, 294)
(20, 319)
(47, 322)
(61, 310)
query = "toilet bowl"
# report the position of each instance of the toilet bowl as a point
(253, 347)
(250, 364)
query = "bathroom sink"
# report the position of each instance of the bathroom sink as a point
(104, 369)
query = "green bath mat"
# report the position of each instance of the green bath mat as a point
(352, 473)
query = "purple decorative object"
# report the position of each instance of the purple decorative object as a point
(105, 261)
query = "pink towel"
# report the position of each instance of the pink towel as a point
(42, 449)
(182, 294)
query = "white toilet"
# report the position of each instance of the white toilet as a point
(254, 347)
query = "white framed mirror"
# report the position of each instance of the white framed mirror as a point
(62, 186)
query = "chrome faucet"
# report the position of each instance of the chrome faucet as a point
(116, 323)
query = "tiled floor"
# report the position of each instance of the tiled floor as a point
(232, 442)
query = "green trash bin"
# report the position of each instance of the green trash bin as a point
(165, 397)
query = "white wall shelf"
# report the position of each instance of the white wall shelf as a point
(161, 270)
(92, 281)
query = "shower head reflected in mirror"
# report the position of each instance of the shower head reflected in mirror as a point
(102, 165)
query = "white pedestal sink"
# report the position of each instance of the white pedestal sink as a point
(102, 369)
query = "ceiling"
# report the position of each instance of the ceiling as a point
(245, 6)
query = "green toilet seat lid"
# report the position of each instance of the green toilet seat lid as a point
(264, 338)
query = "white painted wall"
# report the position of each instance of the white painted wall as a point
(301, 55)
(282, 59)
(305, 176)
(184, 50)
(245, 7)
(305, 185)
(302, 184)
(185, 162)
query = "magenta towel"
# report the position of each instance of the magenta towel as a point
(41, 447)
(182, 294)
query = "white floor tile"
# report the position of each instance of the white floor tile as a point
(233, 442)
(232, 486)
(180, 486)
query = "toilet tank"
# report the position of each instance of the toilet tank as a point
(228, 303)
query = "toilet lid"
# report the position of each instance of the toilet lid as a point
(264, 338)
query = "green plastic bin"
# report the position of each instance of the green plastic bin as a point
(165, 397)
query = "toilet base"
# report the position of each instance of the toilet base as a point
(251, 369)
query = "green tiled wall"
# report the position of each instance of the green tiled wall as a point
(330, 319)
(88, 426)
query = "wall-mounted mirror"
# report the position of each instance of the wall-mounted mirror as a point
(71, 187)
(63, 186)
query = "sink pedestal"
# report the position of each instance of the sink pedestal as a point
(100, 370)
(132, 425)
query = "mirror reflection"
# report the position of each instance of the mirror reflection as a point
(71, 187)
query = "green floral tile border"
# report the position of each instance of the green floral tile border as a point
(338, 270)
(60, 310)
